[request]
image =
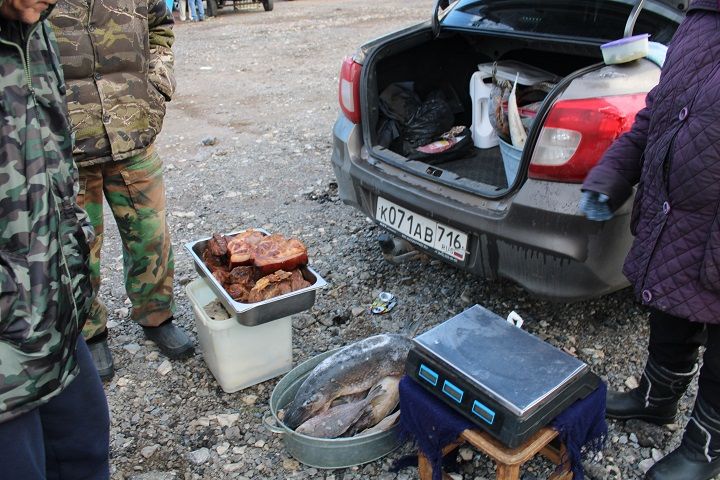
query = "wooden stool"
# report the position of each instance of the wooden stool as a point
(507, 460)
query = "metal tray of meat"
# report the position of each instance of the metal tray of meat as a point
(252, 314)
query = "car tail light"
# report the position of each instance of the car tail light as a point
(349, 89)
(576, 133)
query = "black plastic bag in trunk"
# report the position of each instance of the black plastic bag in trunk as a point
(398, 104)
(407, 122)
(432, 119)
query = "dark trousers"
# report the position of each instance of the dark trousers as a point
(64, 439)
(675, 343)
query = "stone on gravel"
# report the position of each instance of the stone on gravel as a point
(631, 382)
(155, 476)
(646, 464)
(132, 348)
(656, 454)
(149, 451)
(466, 454)
(232, 433)
(249, 399)
(227, 419)
(199, 456)
(209, 141)
(233, 467)
(594, 471)
(290, 464)
(648, 435)
(165, 368)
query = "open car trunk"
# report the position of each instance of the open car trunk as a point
(444, 66)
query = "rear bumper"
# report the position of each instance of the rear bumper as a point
(536, 237)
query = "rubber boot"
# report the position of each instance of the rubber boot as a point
(655, 400)
(102, 358)
(698, 456)
(170, 339)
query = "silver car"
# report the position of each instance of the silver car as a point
(473, 210)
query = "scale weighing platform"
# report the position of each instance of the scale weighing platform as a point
(505, 380)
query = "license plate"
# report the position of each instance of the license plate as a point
(419, 229)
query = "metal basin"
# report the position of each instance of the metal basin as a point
(323, 452)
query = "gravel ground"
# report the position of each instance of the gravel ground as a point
(260, 89)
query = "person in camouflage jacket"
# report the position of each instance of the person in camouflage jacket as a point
(48, 383)
(118, 64)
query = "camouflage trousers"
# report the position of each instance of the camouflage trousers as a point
(135, 192)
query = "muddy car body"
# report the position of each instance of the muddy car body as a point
(466, 211)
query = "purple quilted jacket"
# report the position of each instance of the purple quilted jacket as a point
(672, 153)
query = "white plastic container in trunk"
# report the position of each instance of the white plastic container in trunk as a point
(483, 133)
(239, 356)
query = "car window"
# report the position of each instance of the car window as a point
(600, 20)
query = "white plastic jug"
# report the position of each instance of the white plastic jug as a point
(483, 133)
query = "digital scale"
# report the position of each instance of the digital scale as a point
(505, 380)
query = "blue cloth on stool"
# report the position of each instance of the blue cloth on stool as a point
(433, 425)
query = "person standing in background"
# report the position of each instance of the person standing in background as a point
(185, 14)
(197, 10)
(118, 65)
(54, 420)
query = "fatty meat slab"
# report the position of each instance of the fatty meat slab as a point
(354, 369)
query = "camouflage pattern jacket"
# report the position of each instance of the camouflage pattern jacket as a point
(44, 279)
(118, 64)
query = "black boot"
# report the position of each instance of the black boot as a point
(655, 400)
(101, 356)
(170, 339)
(698, 456)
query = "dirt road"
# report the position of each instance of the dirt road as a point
(261, 90)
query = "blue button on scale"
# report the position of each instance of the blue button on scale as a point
(428, 375)
(483, 412)
(452, 391)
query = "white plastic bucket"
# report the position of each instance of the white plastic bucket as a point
(239, 356)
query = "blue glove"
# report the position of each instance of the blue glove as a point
(595, 206)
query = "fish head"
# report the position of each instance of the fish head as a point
(304, 408)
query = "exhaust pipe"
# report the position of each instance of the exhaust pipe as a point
(396, 250)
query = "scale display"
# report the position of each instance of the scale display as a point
(502, 378)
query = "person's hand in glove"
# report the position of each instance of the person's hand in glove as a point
(595, 206)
